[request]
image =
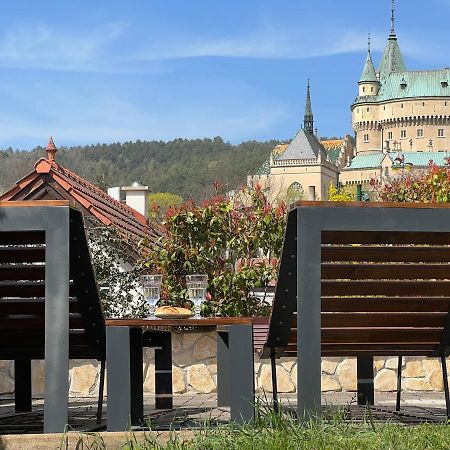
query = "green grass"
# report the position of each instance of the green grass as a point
(273, 432)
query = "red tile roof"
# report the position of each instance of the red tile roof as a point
(92, 200)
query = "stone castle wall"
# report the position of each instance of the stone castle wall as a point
(195, 370)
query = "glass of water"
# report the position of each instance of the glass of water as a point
(152, 290)
(196, 286)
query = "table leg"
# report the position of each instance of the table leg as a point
(223, 369)
(163, 371)
(22, 385)
(364, 370)
(125, 378)
(242, 374)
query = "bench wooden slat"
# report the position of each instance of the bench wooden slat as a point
(22, 237)
(17, 254)
(22, 272)
(385, 304)
(385, 271)
(386, 254)
(380, 335)
(391, 288)
(30, 306)
(393, 237)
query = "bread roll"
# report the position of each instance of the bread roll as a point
(174, 310)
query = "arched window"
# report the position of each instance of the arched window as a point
(295, 192)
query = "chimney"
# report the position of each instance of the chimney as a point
(114, 192)
(136, 197)
(51, 150)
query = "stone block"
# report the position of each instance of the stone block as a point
(378, 363)
(204, 348)
(416, 384)
(178, 383)
(84, 379)
(287, 363)
(212, 366)
(329, 366)
(293, 376)
(6, 383)
(38, 378)
(177, 342)
(413, 369)
(330, 383)
(435, 379)
(347, 376)
(284, 383)
(386, 380)
(189, 340)
(149, 380)
(200, 379)
(392, 363)
(183, 358)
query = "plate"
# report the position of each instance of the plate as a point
(173, 316)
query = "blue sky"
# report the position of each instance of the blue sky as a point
(108, 71)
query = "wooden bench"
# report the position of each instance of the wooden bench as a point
(367, 279)
(49, 303)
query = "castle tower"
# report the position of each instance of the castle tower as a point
(308, 120)
(368, 83)
(392, 59)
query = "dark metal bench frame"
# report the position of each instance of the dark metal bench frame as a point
(300, 290)
(66, 257)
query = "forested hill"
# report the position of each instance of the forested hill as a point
(184, 167)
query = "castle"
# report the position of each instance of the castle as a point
(400, 119)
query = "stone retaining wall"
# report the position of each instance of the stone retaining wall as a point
(195, 370)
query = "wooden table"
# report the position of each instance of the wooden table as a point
(125, 339)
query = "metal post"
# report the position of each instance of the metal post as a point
(56, 321)
(101, 388)
(365, 380)
(136, 377)
(242, 377)
(223, 369)
(308, 319)
(163, 372)
(446, 391)
(22, 385)
(399, 383)
(119, 378)
(273, 366)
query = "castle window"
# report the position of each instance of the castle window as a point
(368, 109)
(423, 103)
(384, 108)
(420, 133)
(440, 132)
(371, 89)
(390, 135)
(403, 134)
(364, 89)
(402, 105)
(366, 138)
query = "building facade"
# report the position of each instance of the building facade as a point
(304, 168)
(400, 116)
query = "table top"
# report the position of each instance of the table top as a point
(188, 322)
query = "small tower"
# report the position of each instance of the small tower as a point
(308, 120)
(368, 83)
(51, 150)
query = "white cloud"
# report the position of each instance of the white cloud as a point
(51, 48)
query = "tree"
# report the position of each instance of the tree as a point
(159, 202)
(222, 238)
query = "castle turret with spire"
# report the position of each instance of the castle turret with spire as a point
(308, 119)
(400, 109)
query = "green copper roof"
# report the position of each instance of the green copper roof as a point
(431, 83)
(417, 159)
(392, 59)
(333, 155)
(366, 161)
(368, 74)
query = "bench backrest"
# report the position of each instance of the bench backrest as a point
(382, 293)
(22, 295)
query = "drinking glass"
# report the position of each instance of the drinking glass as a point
(152, 291)
(196, 285)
